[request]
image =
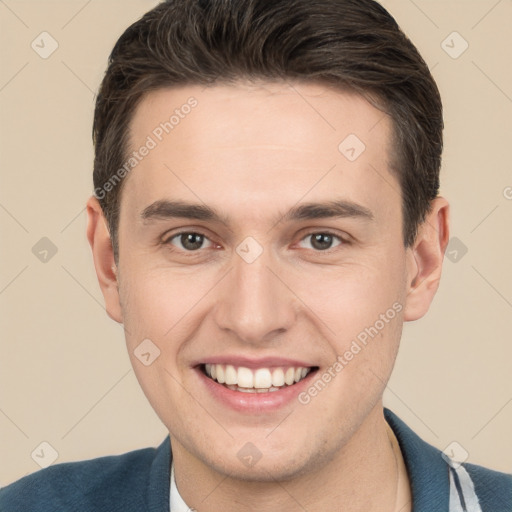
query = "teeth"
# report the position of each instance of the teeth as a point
(262, 380)
(245, 378)
(278, 377)
(221, 375)
(253, 390)
(288, 376)
(231, 377)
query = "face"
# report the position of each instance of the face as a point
(261, 251)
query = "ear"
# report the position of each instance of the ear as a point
(103, 255)
(425, 260)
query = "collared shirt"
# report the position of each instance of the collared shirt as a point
(141, 481)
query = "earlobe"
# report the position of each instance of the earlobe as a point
(425, 260)
(103, 256)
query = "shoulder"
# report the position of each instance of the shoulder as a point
(107, 483)
(435, 477)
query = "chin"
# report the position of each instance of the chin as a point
(269, 464)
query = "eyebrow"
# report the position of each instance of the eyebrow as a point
(165, 209)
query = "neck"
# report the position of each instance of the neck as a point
(367, 474)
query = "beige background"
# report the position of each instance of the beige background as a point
(65, 376)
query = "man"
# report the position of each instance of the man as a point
(266, 216)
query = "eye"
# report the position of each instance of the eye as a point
(190, 241)
(320, 241)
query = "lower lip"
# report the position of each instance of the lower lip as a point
(255, 402)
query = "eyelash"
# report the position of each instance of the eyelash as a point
(341, 241)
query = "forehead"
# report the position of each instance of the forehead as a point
(305, 111)
(274, 141)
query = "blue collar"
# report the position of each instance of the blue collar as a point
(428, 472)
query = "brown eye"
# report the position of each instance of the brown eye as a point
(320, 241)
(190, 241)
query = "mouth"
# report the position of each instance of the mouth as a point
(256, 380)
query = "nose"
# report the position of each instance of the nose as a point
(255, 305)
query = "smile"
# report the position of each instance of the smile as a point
(259, 380)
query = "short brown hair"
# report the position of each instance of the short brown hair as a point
(349, 44)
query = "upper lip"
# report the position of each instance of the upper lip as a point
(254, 363)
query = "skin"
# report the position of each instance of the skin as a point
(253, 152)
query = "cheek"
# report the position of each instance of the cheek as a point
(360, 311)
(351, 298)
(162, 311)
(157, 303)
(364, 323)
